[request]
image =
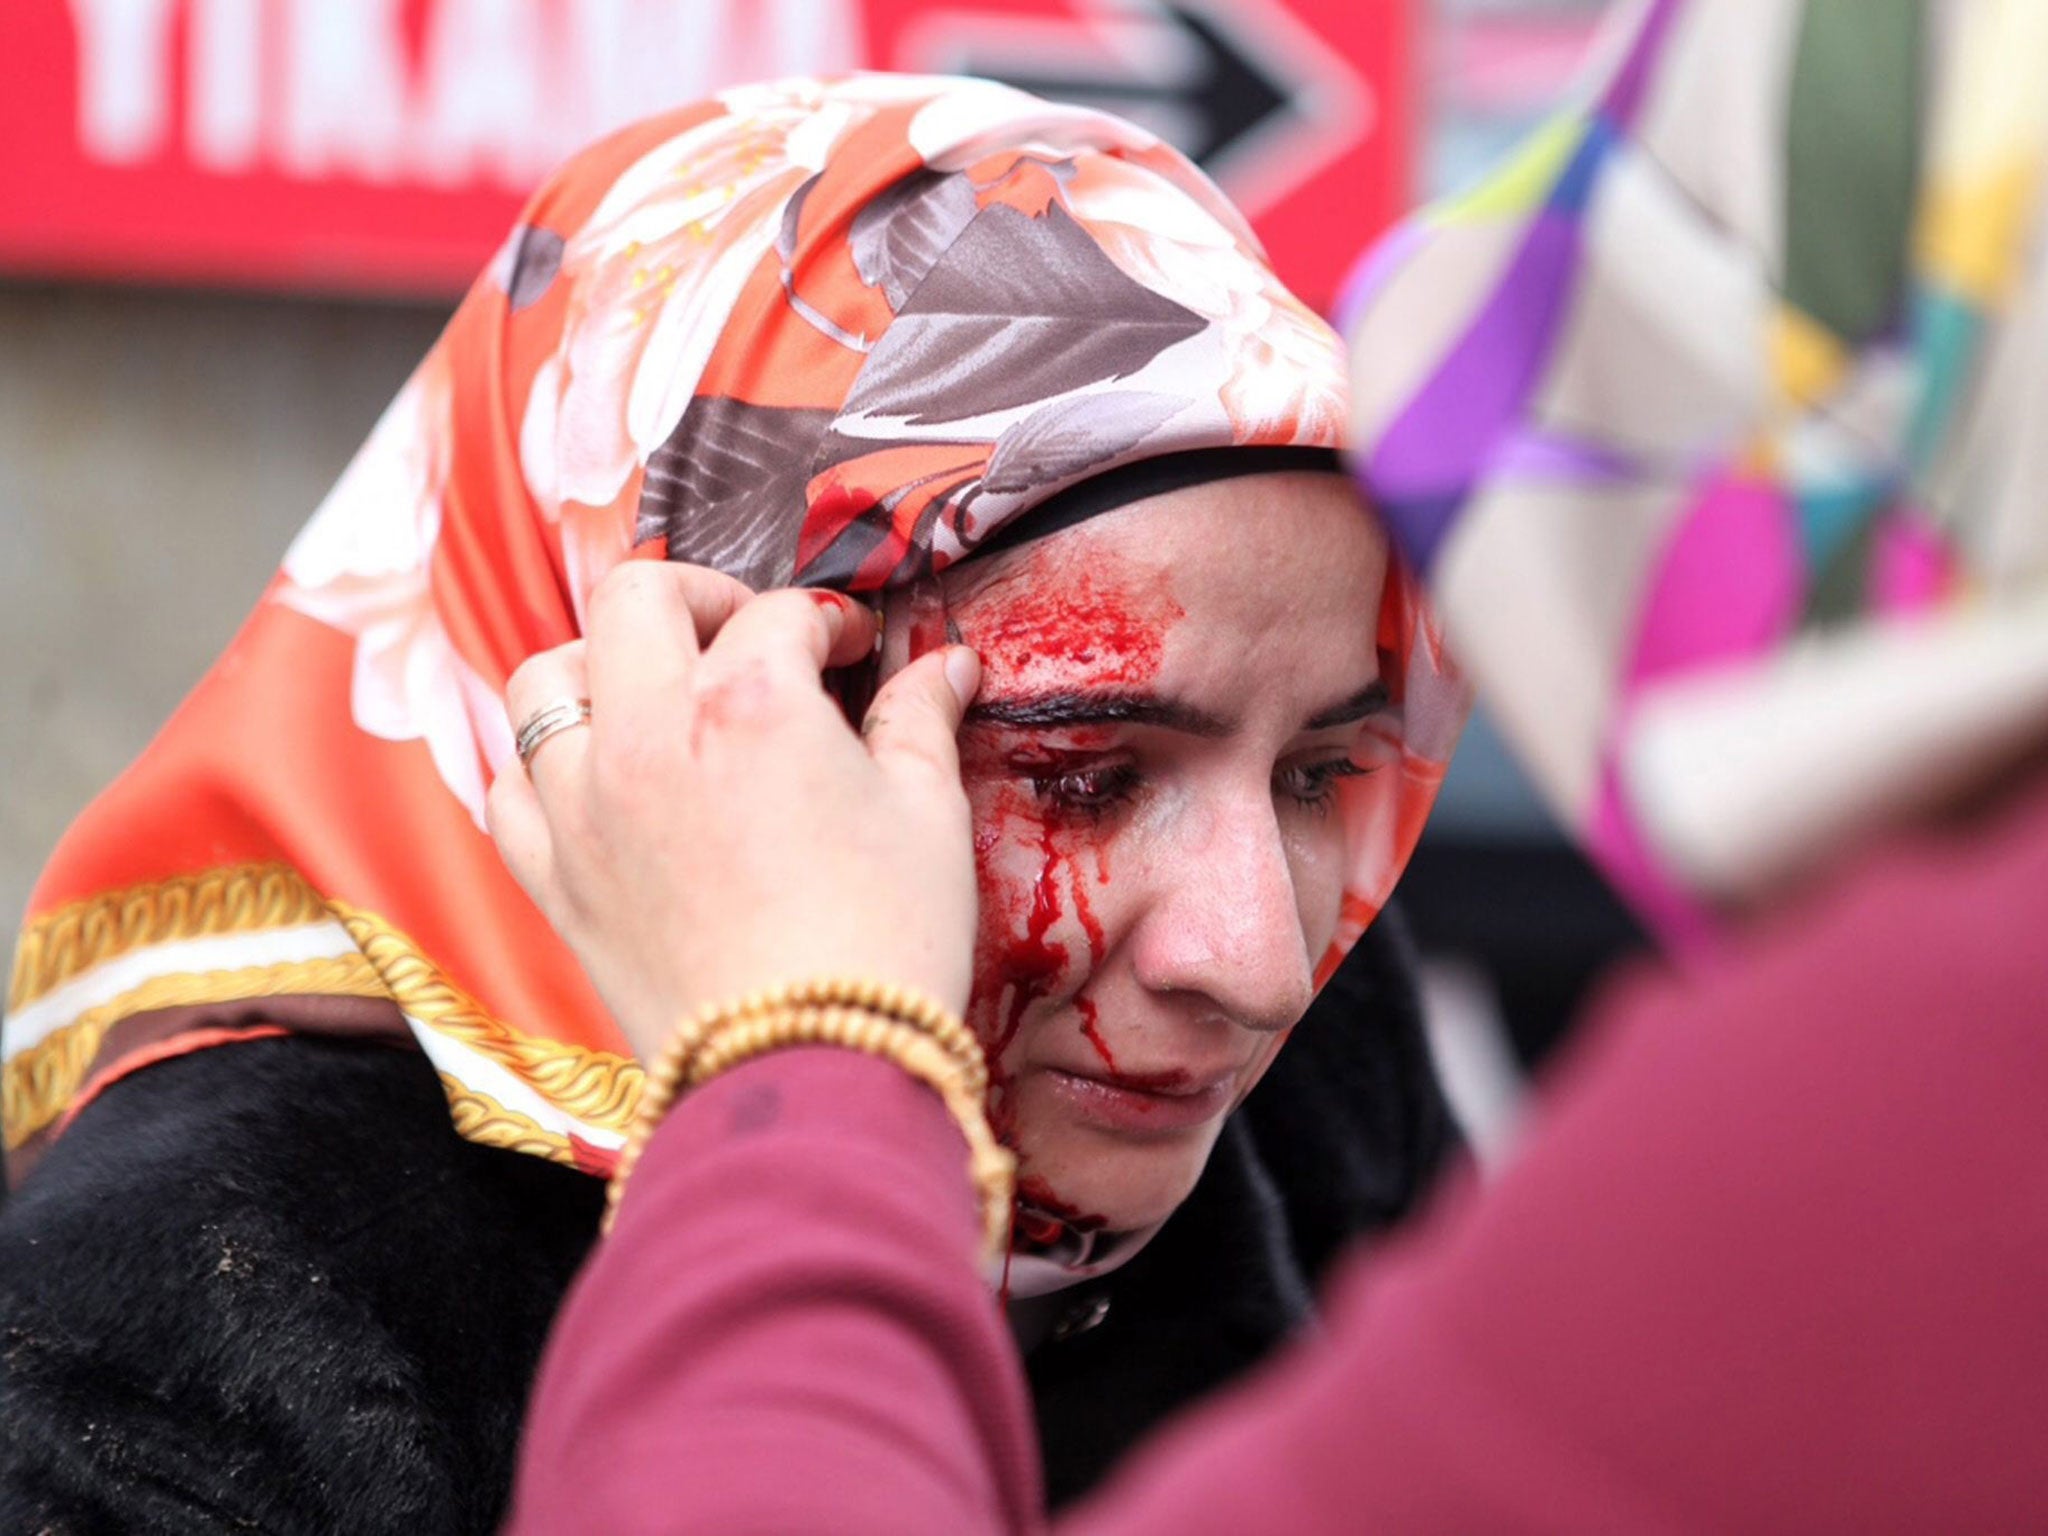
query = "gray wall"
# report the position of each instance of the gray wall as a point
(157, 451)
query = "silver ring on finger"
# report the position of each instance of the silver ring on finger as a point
(549, 720)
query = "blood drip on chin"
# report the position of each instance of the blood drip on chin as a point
(1043, 1217)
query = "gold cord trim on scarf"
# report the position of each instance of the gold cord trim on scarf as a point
(482, 1119)
(241, 898)
(600, 1088)
(38, 1084)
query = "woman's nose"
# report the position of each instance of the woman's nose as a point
(1227, 924)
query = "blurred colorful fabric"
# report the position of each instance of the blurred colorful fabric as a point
(1716, 423)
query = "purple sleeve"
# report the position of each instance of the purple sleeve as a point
(786, 1330)
(1774, 1260)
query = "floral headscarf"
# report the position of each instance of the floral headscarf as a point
(826, 333)
(1717, 423)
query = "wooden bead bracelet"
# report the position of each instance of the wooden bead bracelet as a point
(893, 1023)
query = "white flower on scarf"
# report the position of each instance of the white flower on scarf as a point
(362, 566)
(652, 278)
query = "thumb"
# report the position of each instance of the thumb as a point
(916, 716)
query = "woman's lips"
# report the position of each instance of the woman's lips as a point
(1139, 1103)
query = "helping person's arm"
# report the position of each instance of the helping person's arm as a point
(787, 1329)
(1772, 1260)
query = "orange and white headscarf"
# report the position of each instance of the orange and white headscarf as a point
(829, 333)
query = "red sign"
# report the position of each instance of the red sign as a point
(385, 144)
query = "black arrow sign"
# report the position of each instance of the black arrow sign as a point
(1217, 90)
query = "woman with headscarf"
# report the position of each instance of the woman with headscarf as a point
(938, 353)
(1712, 422)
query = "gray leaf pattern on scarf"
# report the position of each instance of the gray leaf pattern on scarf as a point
(534, 266)
(1019, 310)
(1070, 437)
(727, 488)
(899, 237)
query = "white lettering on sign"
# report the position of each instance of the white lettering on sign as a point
(224, 106)
(626, 59)
(343, 109)
(810, 37)
(484, 97)
(502, 89)
(124, 76)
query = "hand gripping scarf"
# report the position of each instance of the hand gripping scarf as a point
(1717, 423)
(826, 333)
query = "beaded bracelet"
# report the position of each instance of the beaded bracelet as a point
(892, 1023)
(905, 1004)
(989, 1164)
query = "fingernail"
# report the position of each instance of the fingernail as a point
(963, 672)
(845, 606)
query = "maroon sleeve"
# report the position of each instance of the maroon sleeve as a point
(786, 1330)
(1774, 1260)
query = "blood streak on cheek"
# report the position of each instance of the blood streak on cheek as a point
(1084, 913)
(1000, 917)
(1019, 959)
(1020, 962)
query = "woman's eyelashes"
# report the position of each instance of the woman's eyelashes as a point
(1314, 785)
(1094, 789)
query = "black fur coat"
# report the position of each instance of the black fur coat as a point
(267, 1288)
